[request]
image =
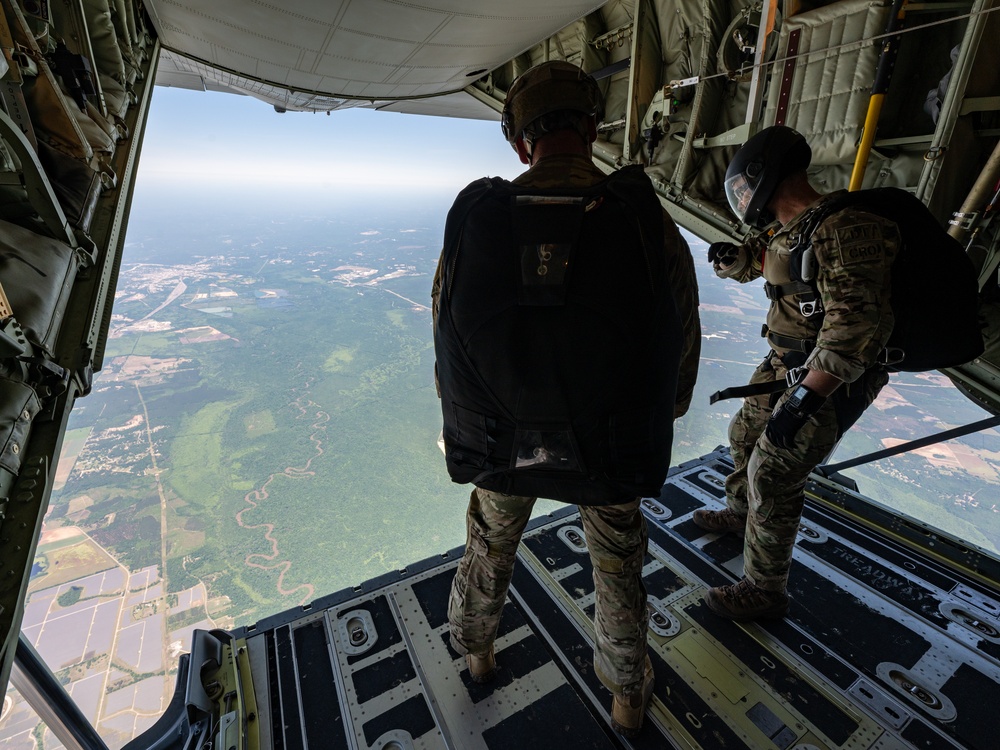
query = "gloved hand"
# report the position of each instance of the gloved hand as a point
(787, 419)
(723, 254)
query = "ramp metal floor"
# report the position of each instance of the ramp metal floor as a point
(883, 647)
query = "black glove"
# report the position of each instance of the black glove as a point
(787, 419)
(723, 254)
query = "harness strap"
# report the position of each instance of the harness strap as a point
(790, 342)
(793, 361)
(754, 389)
(777, 291)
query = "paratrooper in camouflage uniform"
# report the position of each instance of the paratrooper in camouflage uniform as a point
(775, 444)
(616, 534)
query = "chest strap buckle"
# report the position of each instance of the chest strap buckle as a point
(775, 292)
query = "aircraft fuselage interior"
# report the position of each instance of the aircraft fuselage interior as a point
(893, 636)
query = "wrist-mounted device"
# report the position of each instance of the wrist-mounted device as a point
(804, 401)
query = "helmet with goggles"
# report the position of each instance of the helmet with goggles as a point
(759, 167)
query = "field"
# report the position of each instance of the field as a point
(270, 436)
(292, 452)
(272, 432)
(65, 560)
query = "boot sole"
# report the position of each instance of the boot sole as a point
(482, 679)
(774, 613)
(740, 530)
(632, 732)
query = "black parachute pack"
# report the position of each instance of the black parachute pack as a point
(558, 340)
(935, 290)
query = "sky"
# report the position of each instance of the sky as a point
(225, 139)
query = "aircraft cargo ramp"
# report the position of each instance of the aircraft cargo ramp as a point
(884, 647)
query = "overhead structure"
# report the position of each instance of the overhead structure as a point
(686, 82)
(320, 56)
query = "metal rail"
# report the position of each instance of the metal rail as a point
(49, 699)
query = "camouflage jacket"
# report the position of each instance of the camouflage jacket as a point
(854, 250)
(580, 171)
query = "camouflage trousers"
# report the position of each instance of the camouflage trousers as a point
(617, 540)
(768, 483)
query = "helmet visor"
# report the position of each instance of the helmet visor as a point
(739, 191)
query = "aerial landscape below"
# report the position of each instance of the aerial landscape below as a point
(265, 430)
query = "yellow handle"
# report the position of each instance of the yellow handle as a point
(867, 139)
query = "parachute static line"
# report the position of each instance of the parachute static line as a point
(939, 437)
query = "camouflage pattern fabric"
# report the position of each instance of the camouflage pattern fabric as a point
(854, 250)
(617, 541)
(616, 535)
(767, 485)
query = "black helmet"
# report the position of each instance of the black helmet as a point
(759, 166)
(549, 87)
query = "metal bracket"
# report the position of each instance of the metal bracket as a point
(738, 135)
(965, 222)
(979, 104)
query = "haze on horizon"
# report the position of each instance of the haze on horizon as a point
(225, 139)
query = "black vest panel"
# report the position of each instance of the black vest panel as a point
(558, 341)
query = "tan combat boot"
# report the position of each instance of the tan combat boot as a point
(745, 601)
(482, 667)
(720, 521)
(627, 713)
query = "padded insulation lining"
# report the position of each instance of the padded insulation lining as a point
(831, 85)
